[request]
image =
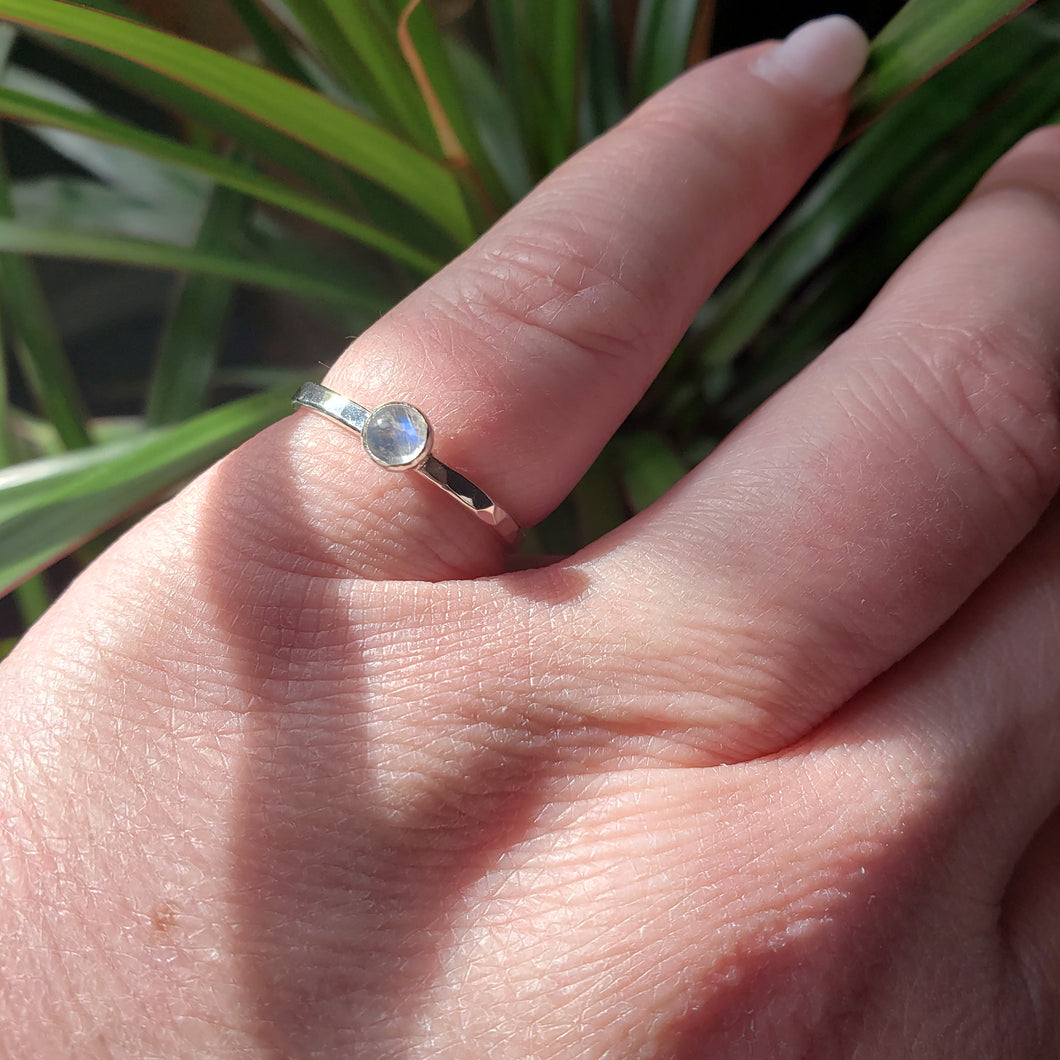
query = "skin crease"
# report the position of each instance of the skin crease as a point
(298, 769)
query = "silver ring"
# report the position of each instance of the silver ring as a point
(398, 436)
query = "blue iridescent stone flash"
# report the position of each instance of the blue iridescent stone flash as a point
(397, 436)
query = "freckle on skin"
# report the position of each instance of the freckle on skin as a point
(163, 917)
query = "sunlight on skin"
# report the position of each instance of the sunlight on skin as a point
(296, 769)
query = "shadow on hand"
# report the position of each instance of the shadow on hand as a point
(344, 869)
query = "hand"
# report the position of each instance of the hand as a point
(296, 770)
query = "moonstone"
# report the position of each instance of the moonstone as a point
(397, 436)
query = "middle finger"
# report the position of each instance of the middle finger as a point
(851, 516)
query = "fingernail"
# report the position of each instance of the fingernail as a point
(824, 57)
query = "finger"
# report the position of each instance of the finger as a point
(529, 350)
(851, 516)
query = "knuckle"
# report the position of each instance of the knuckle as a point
(552, 287)
(989, 390)
(698, 686)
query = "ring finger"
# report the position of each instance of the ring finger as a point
(855, 512)
(529, 350)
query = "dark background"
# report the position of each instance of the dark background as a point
(740, 22)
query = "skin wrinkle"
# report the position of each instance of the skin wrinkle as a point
(915, 571)
(440, 344)
(1023, 179)
(68, 878)
(475, 399)
(853, 535)
(553, 291)
(421, 814)
(411, 314)
(912, 765)
(732, 126)
(724, 712)
(767, 1016)
(566, 354)
(863, 405)
(1004, 745)
(747, 906)
(1001, 417)
(510, 698)
(656, 830)
(588, 254)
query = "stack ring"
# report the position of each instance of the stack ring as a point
(398, 437)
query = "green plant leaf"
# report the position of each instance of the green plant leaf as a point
(280, 150)
(915, 209)
(921, 38)
(32, 599)
(296, 111)
(193, 333)
(76, 204)
(372, 33)
(241, 177)
(490, 108)
(35, 437)
(661, 41)
(425, 50)
(50, 506)
(562, 47)
(26, 239)
(313, 24)
(647, 466)
(272, 148)
(604, 92)
(373, 290)
(513, 64)
(597, 504)
(321, 173)
(146, 180)
(39, 347)
(537, 44)
(8, 36)
(274, 50)
(854, 185)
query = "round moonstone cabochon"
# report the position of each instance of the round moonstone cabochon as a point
(397, 436)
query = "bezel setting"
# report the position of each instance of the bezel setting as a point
(397, 436)
(400, 439)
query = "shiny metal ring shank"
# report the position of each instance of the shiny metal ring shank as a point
(398, 437)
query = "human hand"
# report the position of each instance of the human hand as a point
(297, 770)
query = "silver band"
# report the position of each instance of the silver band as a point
(398, 436)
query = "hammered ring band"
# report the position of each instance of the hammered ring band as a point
(398, 437)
